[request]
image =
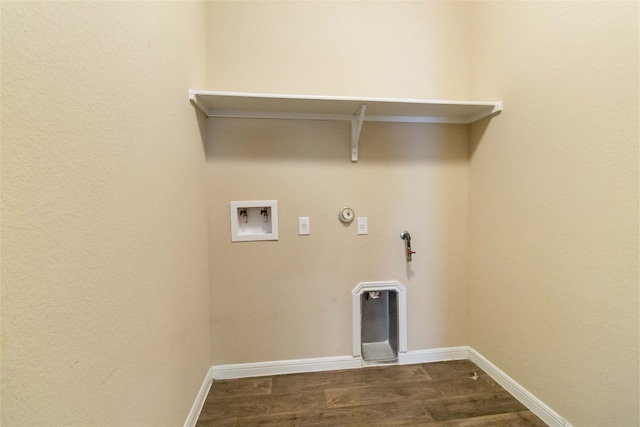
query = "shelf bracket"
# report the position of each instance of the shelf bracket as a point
(356, 127)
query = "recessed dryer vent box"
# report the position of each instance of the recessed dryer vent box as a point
(254, 220)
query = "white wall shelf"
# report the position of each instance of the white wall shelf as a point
(355, 110)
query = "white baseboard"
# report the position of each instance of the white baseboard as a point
(535, 405)
(242, 370)
(260, 369)
(433, 355)
(194, 413)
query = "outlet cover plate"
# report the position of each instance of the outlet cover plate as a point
(303, 226)
(363, 227)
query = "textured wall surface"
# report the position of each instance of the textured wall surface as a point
(291, 298)
(380, 49)
(104, 265)
(527, 237)
(554, 204)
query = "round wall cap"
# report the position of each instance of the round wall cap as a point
(346, 215)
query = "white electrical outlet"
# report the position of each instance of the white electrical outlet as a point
(303, 225)
(363, 228)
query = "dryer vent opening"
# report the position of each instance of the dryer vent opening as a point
(379, 326)
(379, 322)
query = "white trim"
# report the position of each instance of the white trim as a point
(433, 355)
(194, 413)
(534, 404)
(260, 369)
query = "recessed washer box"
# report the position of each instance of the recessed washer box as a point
(253, 220)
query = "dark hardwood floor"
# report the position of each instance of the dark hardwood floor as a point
(430, 394)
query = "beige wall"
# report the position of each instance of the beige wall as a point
(554, 204)
(553, 293)
(104, 265)
(381, 49)
(527, 238)
(291, 299)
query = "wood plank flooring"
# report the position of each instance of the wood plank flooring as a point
(429, 394)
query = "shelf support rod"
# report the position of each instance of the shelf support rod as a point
(356, 127)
